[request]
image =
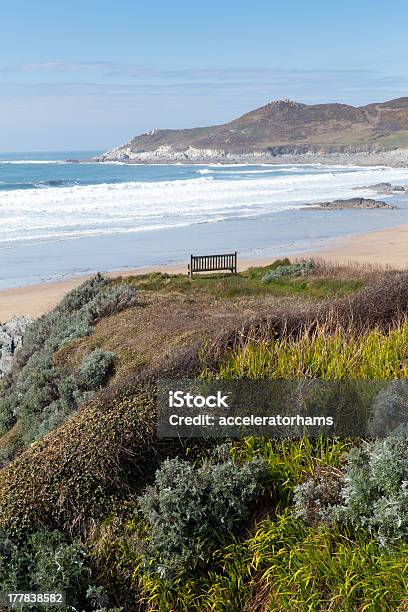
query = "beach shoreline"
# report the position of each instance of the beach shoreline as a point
(385, 247)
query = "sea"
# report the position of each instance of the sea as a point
(60, 219)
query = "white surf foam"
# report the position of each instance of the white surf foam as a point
(74, 211)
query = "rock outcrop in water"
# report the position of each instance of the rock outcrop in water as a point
(352, 203)
(11, 336)
(283, 131)
(388, 188)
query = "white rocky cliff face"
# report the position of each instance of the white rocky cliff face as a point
(11, 337)
(168, 154)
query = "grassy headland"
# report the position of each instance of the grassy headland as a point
(93, 502)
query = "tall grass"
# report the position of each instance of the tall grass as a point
(284, 565)
(375, 354)
(276, 563)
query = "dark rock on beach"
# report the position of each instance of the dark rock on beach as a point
(352, 203)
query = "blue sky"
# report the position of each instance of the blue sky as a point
(90, 74)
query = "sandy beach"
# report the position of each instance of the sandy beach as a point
(387, 247)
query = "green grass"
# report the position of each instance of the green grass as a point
(117, 549)
(399, 139)
(290, 461)
(248, 283)
(284, 565)
(373, 355)
(279, 563)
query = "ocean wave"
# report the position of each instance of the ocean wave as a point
(55, 183)
(45, 184)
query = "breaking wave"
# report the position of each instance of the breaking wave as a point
(54, 210)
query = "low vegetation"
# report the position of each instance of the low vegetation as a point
(190, 508)
(92, 502)
(336, 355)
(317, 281)
(375, 494)
(41, 394)
(44, 562)
(302, 268)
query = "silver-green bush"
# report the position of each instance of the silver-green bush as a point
(96, 368)
(375, 496)
(301, 268)
(189, 508)
(46, 561)
(389, 413)
(41, 394)
(317, 499)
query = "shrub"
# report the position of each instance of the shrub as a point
(75, 316)
(66, 479)
(42, 394)
(256, 273)
(96, 368)
(390, 409)
(113, 300)
(316, 500)
(381, 304)
(375, 496)
(189, 508)
(297, 269)
(66, 320)
(78, 297)
(46, 561)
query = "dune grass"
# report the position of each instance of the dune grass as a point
(284, 565)
(375, 354)
(324, 282)
(278, 562)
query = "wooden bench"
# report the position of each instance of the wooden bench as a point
(213, 263)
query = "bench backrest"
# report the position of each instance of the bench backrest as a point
(213, 263)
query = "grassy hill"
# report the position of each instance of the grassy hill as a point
(284, 126)
(92, 502)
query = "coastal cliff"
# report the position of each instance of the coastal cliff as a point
(283, 131)
(11, 337)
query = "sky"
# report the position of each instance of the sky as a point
(90, 74)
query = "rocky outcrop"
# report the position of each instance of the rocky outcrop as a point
(352, 203)
(167, 155)
(163, 153)
(388, 188)
(11, 336)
